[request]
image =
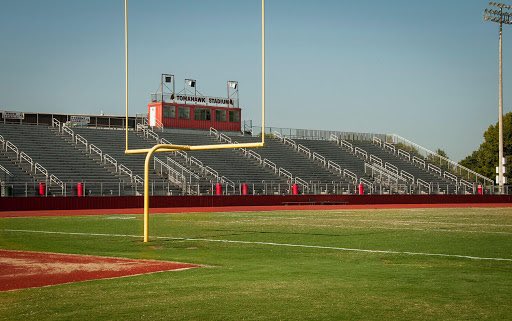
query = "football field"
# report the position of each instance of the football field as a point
(380, 264)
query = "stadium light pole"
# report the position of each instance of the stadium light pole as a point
(498, 13)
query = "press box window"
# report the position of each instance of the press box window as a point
(184, 112)
(220, 115)
(202, 114)
(234, 116)
(170, 112)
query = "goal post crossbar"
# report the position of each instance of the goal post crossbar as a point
(173, 148)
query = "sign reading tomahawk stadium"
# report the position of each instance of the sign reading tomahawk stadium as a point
(206, 100)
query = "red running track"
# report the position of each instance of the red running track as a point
(172, 210)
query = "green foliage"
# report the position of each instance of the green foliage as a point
(485, 159)
(407, 148)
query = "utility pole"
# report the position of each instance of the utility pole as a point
(498, 13)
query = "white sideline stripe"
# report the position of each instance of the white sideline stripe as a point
(361, 227)
(274, 244)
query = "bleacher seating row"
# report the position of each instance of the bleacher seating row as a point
(95, 158)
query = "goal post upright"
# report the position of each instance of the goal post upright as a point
(171, 147)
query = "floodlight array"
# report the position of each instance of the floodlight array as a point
(498, 15)
(500, 5)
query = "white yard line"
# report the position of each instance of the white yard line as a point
(404, 222)
(350, 226)
(273, 244)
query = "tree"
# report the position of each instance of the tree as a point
(485, 159)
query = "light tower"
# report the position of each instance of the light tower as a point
(499, 13)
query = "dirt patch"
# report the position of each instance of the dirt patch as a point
(22, 269)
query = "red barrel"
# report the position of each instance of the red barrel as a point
(361, 189)
(480, 190)
(42, 189)
(245, 189)
(218, 189)
(80, 189)
(295, 189)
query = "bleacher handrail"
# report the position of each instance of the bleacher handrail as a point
(360, 151)
(407, 175)
(14, 148)
(2, 140)
(278, 135)
(284, 172)
(95, 149)
(463, 182)
(375, 159)
(57, 181)
(164, 141)
(182, 168)
(68, 131)
(450, 176)
(26, 158)
(40, 168)
(383, 173)
(404, 154)
(347, 145)
(422, 183)
(434, 169)
(125, 170)
(212, 172)
(80, 139)
(172, 174)
(224, 138)
(391, 168)
(227, 181)
(256, 156)
(214, 132)
(305, 185)
(377, 140)
(461, 170)
(334, 138)
(194, 161)
(6, 171)
(270, 164)
(350, 174)
(138, 180)
(304, 149)
(319, 158)
(150, 133)
(56, 123)
(419, 161)
(331, 164)
(390, 147)
(290, 142)
(366, 182)
(109, 159)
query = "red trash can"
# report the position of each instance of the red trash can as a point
(218, 189)
(245, 189)
(361, 189)
(42, 189)
(80, 189)
(295, 189)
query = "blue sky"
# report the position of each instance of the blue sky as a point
(424, 70)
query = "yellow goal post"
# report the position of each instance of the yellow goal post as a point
(158, 148)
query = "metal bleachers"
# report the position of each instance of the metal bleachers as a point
(67, 164)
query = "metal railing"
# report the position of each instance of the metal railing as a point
(328, 164)
(442, 161)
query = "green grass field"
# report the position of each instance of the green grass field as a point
(282, 265)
